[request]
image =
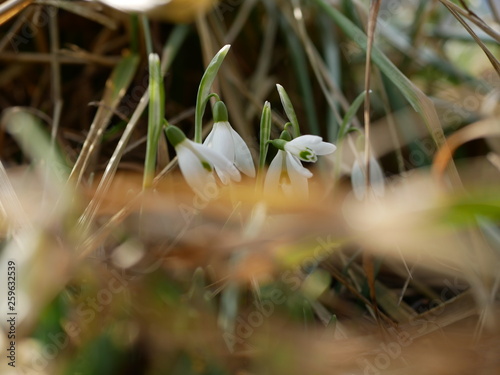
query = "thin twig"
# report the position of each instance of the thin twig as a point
(372, 23)
(491, 57)
(473, 18)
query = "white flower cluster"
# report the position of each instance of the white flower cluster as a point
(225, 153)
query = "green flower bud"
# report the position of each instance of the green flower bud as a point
(175, 135)
(285, 135)
(279, 143)
(220, 112)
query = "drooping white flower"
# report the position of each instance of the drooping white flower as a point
(224, 139)
(286, 171)
(307, 147)
(198, 161)
(358, 180)
(287, 174)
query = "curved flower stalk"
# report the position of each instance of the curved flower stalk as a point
(286, 172)
(225, 140)
(198, 161)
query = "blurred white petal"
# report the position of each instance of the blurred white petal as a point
(307, 147)
(192, 168)
(358, 180)
(273, 174)
(224, 139)
(242, 156)
(298, 179)
(134, 5)
(224, 168)
(294, 163)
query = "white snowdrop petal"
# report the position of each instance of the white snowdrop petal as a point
(293, 148)
(191, 167)
(358, 181)
(294, 163)
(209, 139)
(323, 148)
(224, 168)
(273, 174)
(242, 156)
(298, 181)
(377, 178)
(222, 140)
(306, 140)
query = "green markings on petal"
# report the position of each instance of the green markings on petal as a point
(308, 155)
(206, 165)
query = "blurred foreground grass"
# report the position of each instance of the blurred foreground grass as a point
(114, 279)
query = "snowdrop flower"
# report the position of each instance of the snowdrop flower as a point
(197, 161)
(358, 180)
(224, 139)
(286, 170)
(307, 147)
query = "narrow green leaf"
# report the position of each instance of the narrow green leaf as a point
(35, 143)
(417, 99)
(300, 66)
(351, 112)
(204, 89)
(116, 87)
(147, 34)
(289, 110)
(155, 118)
(265, 134)
(170, 51)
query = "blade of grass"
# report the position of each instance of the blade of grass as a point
(417, 99)
(289, 110)
(155, 118)
(351, 112)
(494, 10)
(265, 134)
(55, 73)
(83, 10)
(204, 90)
(491, 57)
(473, 18)
(35, 143)
(372, 23)
(116, 86)
(299, 63)
(332, 61)
(147, 34)
(169, 52)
